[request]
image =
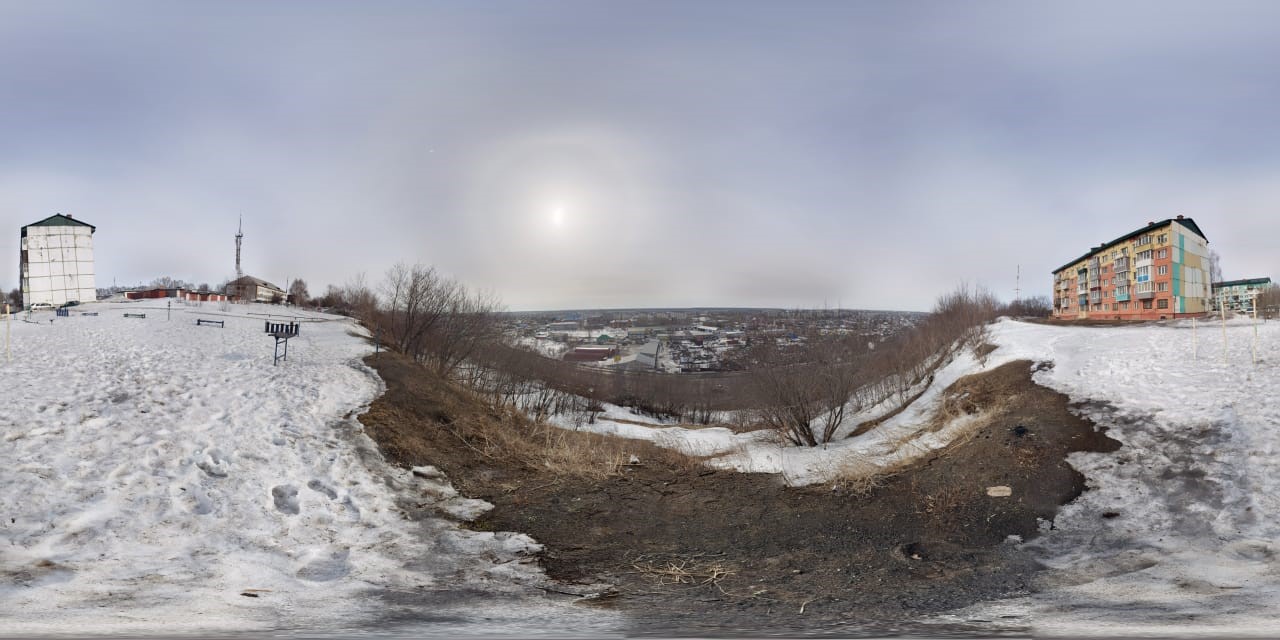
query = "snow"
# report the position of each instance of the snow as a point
(155, 470)
(1190, 546)
(896, 441)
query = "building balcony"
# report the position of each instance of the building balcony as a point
(1122, 297)
(1082, 289)
(1138, 264)
(1146, 295)
(1121, 264)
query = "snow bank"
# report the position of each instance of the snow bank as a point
(894, 442)
(163, 476)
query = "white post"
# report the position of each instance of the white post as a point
(8, 322)
(1222, 311)
(1254, 299)
(1195, 344)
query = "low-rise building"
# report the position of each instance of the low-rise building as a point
(590, 354)
(1155, 272)
(251, 289)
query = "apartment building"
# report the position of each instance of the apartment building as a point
(56, 261)
(1157, 272)
(1238, 295)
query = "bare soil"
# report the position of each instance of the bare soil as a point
(694, 550)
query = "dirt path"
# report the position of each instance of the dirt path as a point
(695, 550)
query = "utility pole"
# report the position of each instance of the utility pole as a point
(239, 238)
(1017, 285)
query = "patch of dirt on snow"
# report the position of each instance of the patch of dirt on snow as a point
(697, 550)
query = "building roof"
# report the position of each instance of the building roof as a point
(1186, 222)
(1246, 282)
(59, 220)
(245, 281)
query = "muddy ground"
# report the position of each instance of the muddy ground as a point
(692, 550)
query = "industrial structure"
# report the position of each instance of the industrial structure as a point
(1156, 272)
(248, 288)
(1238, 295)
(56, 262)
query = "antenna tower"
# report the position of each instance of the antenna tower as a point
(239, 237)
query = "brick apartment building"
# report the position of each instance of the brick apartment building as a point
(1159, 271)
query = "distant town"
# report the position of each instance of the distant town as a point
(687, 340)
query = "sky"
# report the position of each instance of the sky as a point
(641, 154)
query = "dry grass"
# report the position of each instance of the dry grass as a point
(691, 570)
(418, 400)
(859, 476)
(561, 452)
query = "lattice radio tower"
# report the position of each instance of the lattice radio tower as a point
(239, 238)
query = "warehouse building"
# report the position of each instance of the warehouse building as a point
(56, 262)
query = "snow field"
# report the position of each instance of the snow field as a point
(154, 471)
(1177, 535)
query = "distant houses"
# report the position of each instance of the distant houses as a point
(55, 262)
(1156, 272)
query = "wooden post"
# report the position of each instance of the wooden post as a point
(1222, 311)
(1195, 344)
(8, 322)
(1255, 327)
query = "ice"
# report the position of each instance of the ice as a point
(156, 471)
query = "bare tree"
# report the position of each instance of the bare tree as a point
(1215, 267)
(298, 292)
(15, 298)
(434, 319)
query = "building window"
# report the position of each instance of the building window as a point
(1144, 239)
(1144, 255)
(1162, 254)
(1164, 237)
(1162, 270)
(1162, 286)
(1162, 303)
(1146, 304)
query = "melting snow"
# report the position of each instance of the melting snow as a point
(160, 476)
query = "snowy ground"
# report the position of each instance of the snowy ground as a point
(1178, 535)
(155, 471)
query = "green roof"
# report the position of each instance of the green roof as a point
(1238, 283)
(1186, 222)
(59, 220)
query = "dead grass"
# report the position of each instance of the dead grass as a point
(423, 401)
(665, 569)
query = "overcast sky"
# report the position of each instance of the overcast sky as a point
(611, 154)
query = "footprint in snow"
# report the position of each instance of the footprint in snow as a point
(320, 487)
(286, 499)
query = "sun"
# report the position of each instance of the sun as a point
(557, 216)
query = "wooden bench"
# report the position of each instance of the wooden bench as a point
(62, 312)
(281, 331)
(135, 315)
(203, 321)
